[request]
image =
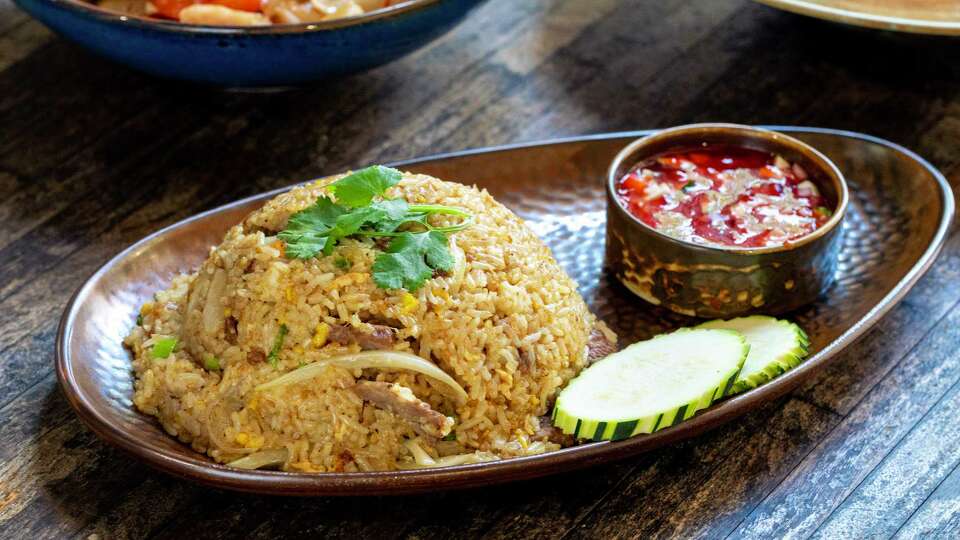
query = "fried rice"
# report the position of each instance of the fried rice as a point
(506, 323)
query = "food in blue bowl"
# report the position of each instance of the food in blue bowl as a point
(246, 12)
(250, 43)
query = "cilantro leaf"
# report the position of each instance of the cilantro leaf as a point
(359, 188)
(360, 210)
(411, 259)
(308, 231)
(432, 245)
(305, 248)
(438, 254)
(396, 213)
(403, 270)
(323, 213)
(349, 224)
(393, 208)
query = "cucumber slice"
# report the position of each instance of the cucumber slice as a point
(651, 385)
(776, 346)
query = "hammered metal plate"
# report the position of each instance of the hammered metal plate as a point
(899, 213)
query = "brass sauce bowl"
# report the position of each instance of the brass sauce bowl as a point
(708, 281)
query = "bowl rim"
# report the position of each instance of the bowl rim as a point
(90, 10)
(827, 166)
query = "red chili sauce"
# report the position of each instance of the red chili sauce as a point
(721, 195)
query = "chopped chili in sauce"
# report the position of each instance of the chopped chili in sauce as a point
(721, 195)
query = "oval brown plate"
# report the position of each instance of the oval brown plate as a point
(899, 212)
(915, 16)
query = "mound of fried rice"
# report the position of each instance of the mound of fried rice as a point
(507, 323)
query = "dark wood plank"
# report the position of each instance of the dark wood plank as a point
(686, 497)
(846, 381)
(908, 474)
(10, 16)
(882, 420)
(611, 77)
(481, 512)
(939, 515)
(49, 459)
(622, 79)
(19, 36)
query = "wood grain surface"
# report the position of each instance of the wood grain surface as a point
(94, 156)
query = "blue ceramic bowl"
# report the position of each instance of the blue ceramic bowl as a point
(244, 57)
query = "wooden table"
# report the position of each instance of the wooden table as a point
(93, 157)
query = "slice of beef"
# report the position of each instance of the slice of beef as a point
(382, 338)
(230, 329)
(400, 401)
(598, 346)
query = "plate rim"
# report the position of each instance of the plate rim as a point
(206, 472)
(865, 19)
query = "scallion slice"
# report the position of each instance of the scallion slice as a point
(162, 347)
(373, 359)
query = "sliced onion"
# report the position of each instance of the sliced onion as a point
(466, 459)
(459, 264)
(213, 309)
(263, 458)
(373, 359)
(449, 461)
(422, 458)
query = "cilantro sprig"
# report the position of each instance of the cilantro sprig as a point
(417, 249)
